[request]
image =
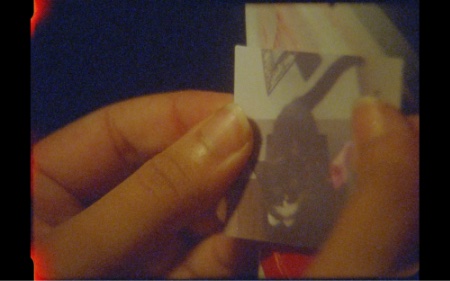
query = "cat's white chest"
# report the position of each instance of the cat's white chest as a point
(284, 213)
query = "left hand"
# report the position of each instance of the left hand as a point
(130, 191)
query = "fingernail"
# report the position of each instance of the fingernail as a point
(227, 131)
(372, 119)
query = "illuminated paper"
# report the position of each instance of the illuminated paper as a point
(359, 29)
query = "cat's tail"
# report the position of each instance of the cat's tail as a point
(326, 82)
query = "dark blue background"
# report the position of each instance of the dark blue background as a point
(90, 53)
(87, 54)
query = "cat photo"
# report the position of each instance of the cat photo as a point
(300, 104)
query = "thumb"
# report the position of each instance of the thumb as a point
(377, 232)
(156, 201)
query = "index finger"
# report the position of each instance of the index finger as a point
(98, 151)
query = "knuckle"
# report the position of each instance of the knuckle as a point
(168, 179)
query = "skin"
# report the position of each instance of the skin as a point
(130, 191)
(377, 233)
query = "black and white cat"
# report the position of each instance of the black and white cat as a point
(298, 193)
(296, 190)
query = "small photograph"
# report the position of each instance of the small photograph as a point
(300, 105)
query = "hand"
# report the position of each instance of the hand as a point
(130, 191)
(377, 233)
(101, 208)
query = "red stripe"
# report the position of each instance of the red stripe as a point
(284, 262)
